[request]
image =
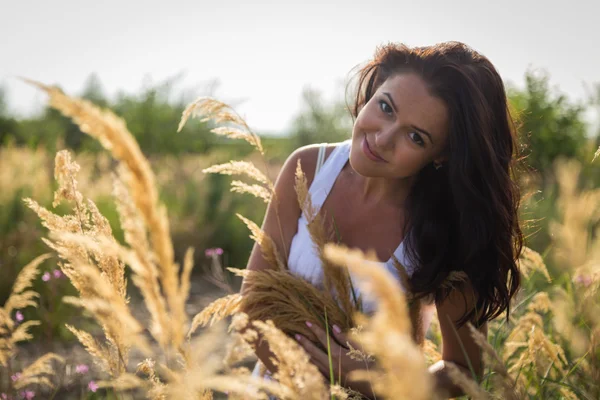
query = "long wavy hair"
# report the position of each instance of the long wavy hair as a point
(463, 216)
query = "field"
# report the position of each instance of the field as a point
(129, 254)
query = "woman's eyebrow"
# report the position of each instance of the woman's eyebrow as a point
(423, 131)
(391, 100)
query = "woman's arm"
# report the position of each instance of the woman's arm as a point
(458, 346)
(281, 223)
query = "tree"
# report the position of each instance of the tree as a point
(549, 124)
(8, 125)
(319, 122)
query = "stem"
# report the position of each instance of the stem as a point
(366, 360)
(331, 377)
(272, 188)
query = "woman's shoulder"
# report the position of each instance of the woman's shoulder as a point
(308, 155)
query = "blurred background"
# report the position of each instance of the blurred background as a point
(284, 66)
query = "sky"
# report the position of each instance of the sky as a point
(260, 55)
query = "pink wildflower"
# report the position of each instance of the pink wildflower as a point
(57, 273)
(27, 394)
(584, 280)
(46, 276)
(82, 369)
(19, 316)
(213, 252)
(15, 377)
(93, 386)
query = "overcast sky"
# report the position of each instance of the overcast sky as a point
(264, 53)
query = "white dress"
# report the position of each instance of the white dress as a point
(303, 260)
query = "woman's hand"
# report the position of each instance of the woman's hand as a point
(341, 363)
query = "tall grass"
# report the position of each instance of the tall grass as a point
(549, 348)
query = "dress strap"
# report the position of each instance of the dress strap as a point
(320, 158)
(328, 173)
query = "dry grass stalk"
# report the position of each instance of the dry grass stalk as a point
(268, 247)
(216, 311)
(255, 190)
(502, 377)
(294, 369)
(238, 350)
(336, 280)
(468, 385)
(21, 296)
(38, 372)
(264, 189)
(114, 136)
(143, 278)
(289, 301)
(220, 112)
(157, 389)
(578, 209)
(528, 346)
(402, 371)
(531, 261)
(415, 306)
(98, 277)
(431, 352)
(240, 168)
(200, 374)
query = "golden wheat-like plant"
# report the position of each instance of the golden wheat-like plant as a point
(289, 301)
(99, 278)
(94, 262)
(402, 371)
(336, 280)
(297, 377)
(41, 370)
(112, 133)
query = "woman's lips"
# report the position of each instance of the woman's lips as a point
(369, 153)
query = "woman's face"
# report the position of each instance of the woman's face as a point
(400, 130)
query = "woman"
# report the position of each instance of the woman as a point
(427, 172)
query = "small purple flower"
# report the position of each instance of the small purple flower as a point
(584, 280)
(27, 394)
(213, 252)
(19, 316)
(46, 276)
(4, 396)
(57, 273)
(82, 369)
(15, 377)
(93, 386)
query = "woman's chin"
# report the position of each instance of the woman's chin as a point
(361, 165)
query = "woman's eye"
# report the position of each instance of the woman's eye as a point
(385, 107)
(415, 137)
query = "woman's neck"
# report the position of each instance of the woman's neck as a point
(382, 191)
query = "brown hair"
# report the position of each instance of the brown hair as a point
(464, 216)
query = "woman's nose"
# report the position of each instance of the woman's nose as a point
(384, 139)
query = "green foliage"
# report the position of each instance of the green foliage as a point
(8, 125)
(551, 126)
(152, 117)
(319, 122)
